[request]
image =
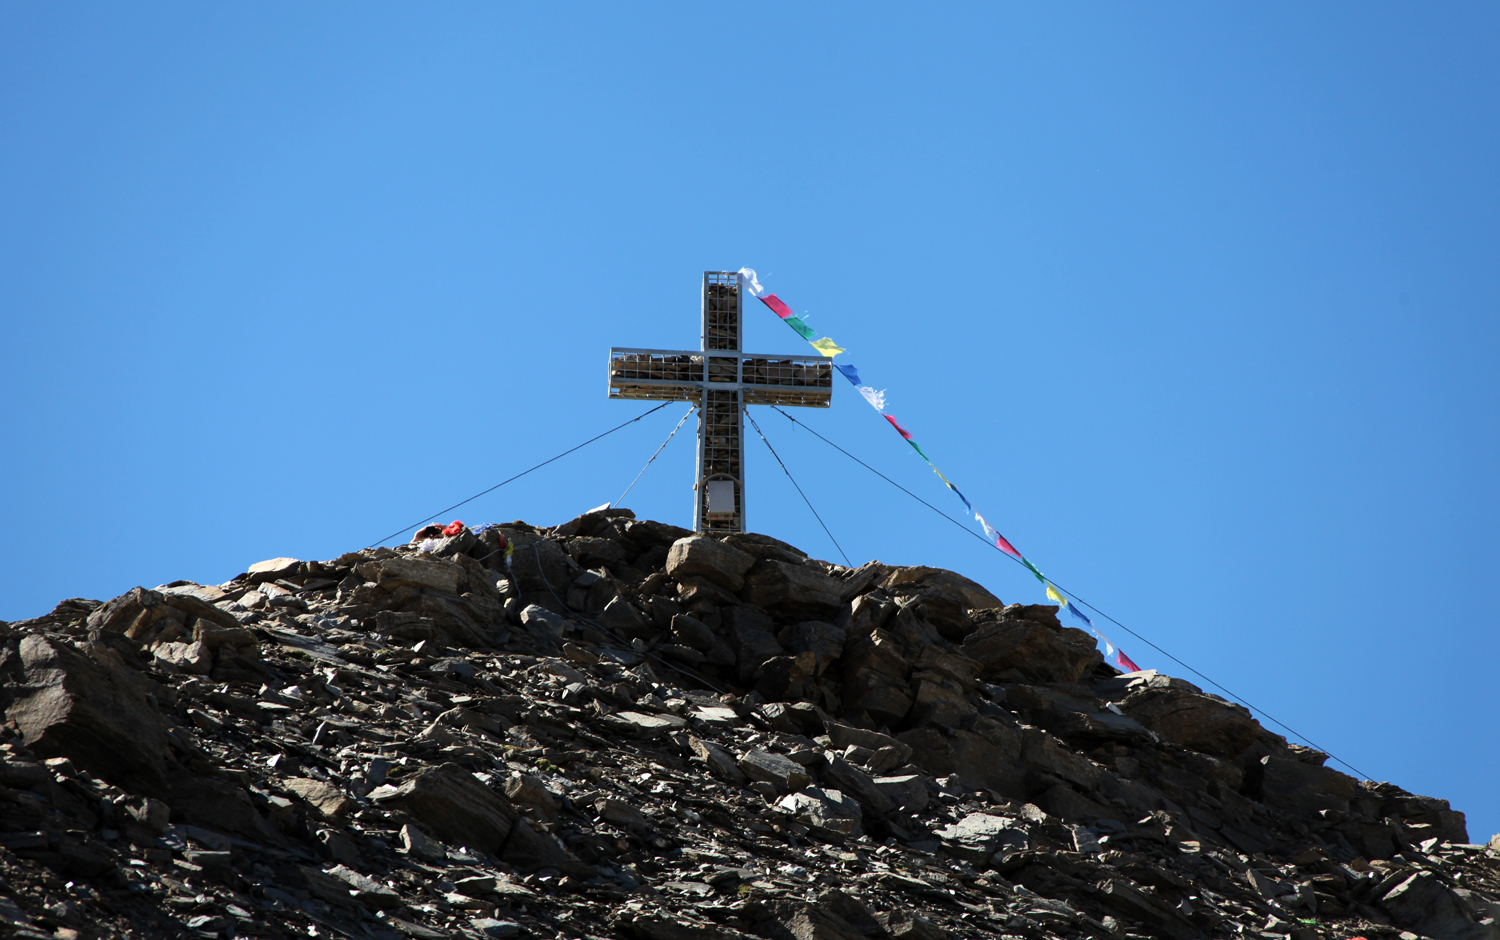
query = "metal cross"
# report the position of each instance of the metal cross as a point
(720, 380)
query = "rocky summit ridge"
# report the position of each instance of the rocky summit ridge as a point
(632, 731)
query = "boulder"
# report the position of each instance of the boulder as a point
(792, 590)
(1178, 713)
(977, 836)
(1045, 652)
(1301, 789)
(420, 571)
(828, 812)
(750, 638)
(93, 710)
(785, 773)
(456, 807)
(824, 640)
(709, 558)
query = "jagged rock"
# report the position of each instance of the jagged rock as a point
(325, 796)
(792, 590)
(785, 773)
(1302, 788)
(584, 785)
(457, 807)
(786, 677)
(719, 761)
(194, 658)
(1044, 651)
(828, 812)
(93, 711)
(705, 557)
(750, 638)
(977, 836)
(1180, 713)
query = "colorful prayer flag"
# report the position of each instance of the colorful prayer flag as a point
(777, 307)
(748, 278)
(827, 347)
(876, 399)
(1073, 609)
(803, 330)
(1039, 576)
(899, 429)
(851, 373)
(1126, 663)
(1052, 595)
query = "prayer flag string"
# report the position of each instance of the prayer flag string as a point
(876, 399)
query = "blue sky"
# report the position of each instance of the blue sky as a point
(1194, 301)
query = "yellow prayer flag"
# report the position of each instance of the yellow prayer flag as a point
(827, 347)
(1052, 595)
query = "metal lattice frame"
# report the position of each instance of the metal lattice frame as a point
(716, 379)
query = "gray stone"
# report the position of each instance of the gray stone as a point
(977, 836)
(1046, 652)
(827, 811)
(92, 710)
(785, 773)
(720, 762)
(750, 638)
(457, 807)
(908, 791)
(692, 633)
(544, 620)
(792, 590)
(706, 557)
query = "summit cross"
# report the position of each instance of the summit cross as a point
(720, 381)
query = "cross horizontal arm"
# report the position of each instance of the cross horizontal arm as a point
(684, 374)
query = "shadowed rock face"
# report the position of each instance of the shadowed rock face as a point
(633, 731)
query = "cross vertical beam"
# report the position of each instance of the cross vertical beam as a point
(720, 379)
(719, 496)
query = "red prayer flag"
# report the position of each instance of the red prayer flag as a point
(453, 528)
(899, 429)
(1005, 546)
(777, 307)
(1126, 663)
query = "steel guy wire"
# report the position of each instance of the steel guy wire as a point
(788, 473)
(664, 443)
(1243, 701)
(444, 512)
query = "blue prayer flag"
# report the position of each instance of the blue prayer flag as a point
(1073, 609)
(850, 372)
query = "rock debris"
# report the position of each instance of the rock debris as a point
(632, 731)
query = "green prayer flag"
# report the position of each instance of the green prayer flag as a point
(1038, 574)
(803, 330)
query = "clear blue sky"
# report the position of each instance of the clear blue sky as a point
(1195, 301)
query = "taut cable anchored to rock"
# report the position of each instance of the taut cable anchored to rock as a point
(444, 512)
(1078, 599)
(628, 729)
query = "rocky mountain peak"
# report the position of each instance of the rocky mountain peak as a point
(617, 728)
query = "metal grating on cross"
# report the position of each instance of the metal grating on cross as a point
(720, 381)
